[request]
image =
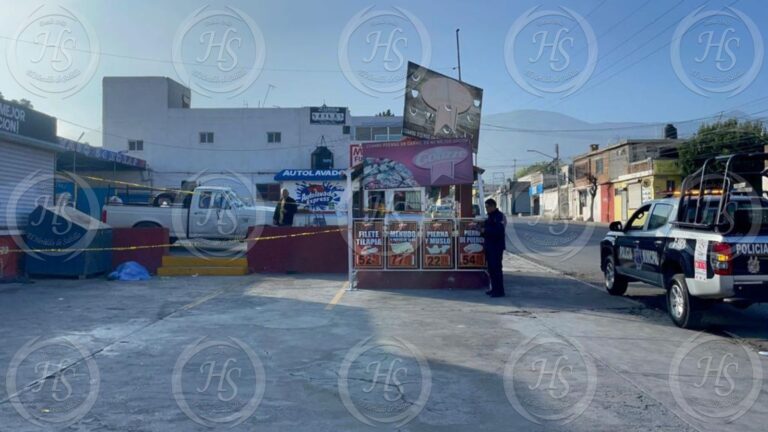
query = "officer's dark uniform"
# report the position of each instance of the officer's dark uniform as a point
(494, 234)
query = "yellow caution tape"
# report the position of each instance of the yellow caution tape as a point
(129, 248)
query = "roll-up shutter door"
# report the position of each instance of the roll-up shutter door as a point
(17, 164)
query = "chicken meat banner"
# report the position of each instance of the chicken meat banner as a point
(369, 245)
(402, 164)
(470, 245)
(438, 245)
(403, 245)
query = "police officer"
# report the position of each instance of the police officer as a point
(494, 233)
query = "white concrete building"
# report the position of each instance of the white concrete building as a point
(152, 118)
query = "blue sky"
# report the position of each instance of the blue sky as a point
(302, 41)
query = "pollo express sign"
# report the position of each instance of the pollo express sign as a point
(441, 162)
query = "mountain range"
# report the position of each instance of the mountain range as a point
(507, 136)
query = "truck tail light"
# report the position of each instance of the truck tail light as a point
(722, 257)
(104, 215)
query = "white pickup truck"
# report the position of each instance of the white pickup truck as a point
(208, 212)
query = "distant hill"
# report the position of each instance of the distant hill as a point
(506, 136)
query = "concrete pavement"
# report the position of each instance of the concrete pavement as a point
(301, 353)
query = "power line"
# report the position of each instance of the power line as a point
(172, 62)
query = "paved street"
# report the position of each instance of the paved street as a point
(301, 353)
(573, 248)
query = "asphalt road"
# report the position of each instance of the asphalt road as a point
(570, 247)
(300, 353)
(573, 249)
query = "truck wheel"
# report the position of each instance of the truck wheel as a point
(146, 225)
(615, 283)
(683, 308)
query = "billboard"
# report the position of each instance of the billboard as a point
(437, 106)
(326, 115)
(404, 164)
(355, 154)
(19, 120)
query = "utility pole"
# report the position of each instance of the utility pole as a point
(557, 174)
(514, 169)
(458, 53)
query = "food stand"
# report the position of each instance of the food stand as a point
(397, 235)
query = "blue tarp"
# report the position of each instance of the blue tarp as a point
(130, 271)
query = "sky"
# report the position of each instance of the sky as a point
(615, 59)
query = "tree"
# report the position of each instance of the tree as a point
(24, 102)
(387, 113)
(542, 167)
(721, 138)
(592, 194)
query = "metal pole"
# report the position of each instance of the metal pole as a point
(74, 175)
(458, 53)
(350, 245)
(481, 194)
(514, 169)
(557, 174)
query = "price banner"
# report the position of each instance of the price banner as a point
(437, 245)
(470, 245)
(403, 245)
(368, 240)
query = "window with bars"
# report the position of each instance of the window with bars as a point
(135, 145)
(274, 137)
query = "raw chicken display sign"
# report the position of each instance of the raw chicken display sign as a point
(470, 245)
(403, 245)
(405, 164)
(438, 245)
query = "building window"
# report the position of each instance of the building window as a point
(362, 134)
(599, 166)
(670, 185)
(135, 145)
(206, 137)
(274, 137)
(380, 134)
(268, 191)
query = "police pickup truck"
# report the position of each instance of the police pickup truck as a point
(709, 245)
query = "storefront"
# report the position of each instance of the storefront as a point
(408, 230)
(319, 194)
(28, 146)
